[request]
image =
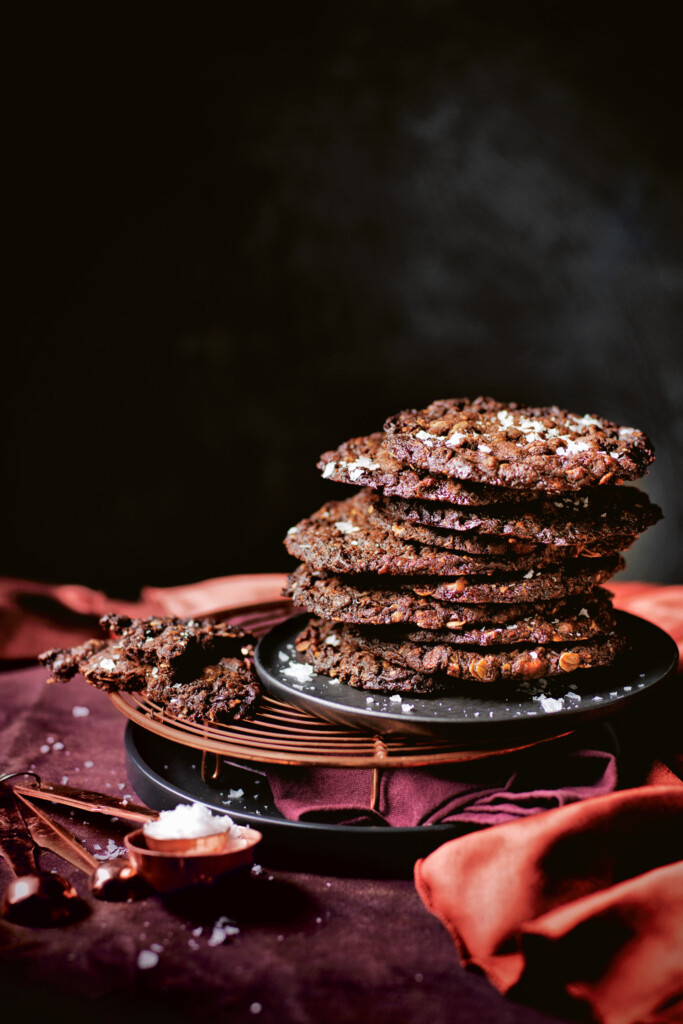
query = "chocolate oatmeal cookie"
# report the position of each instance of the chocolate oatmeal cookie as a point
(194, 668)
(532, 586)
(607, 519)
(347, 537)
(578, 620)
(364, 601)
(475, 543)
(513, 446)
(363, 658)
(365, 462)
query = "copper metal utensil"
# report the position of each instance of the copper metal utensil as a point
(33, 898)
(167, 871)
(115, 880)
(85, 800)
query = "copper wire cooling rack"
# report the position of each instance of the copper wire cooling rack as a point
(281, 734)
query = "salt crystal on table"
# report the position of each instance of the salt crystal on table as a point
(88, 764)
(45, 749)
(223, 928)
(255, 1008)
(147, 958)
(58, 746)
(80, 712)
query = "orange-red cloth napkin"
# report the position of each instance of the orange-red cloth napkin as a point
(580, 908)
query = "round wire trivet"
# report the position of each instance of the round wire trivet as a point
(281, 734)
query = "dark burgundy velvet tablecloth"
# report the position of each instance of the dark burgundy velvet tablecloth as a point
(309, 947)
(303, 947)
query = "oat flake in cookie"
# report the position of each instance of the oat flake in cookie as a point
(195, 669)
(513, 446)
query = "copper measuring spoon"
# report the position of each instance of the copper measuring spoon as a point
(33, 898)
(115, 880)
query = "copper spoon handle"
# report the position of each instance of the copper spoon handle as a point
(16, 845)
(86, 800)
(51, 836)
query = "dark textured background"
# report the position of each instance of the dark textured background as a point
(234, 247)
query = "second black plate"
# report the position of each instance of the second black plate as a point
(474, 715)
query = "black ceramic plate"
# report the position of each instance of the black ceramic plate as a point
(163, 774)
(477, 714)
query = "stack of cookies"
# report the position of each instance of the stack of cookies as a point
(475, 549)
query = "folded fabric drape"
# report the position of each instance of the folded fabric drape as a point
(581, 907)
(486, 792)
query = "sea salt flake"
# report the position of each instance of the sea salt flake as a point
(362, 463)
(147, 958)
(529, 575)
(80, 712)
(302, 673)
(455, 440)
(156, 947)
(407, 707)
(426, 438)
(550, 704)
(327, 472)
(88, 764)
(58, 746)
(235, 794)
(333, 640)
(255, 1008)
(345, 527)
(395, 698)
(483, 448)
(45, 749)
(223, 928)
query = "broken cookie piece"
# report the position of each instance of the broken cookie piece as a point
(195, 669)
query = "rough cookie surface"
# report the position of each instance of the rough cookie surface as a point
(363, 601)
(191, 667)
(605, 518)
(365, 462)
(348, 537)
(513, 446)
(532, 586)
(364, 659)
(459, 540)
